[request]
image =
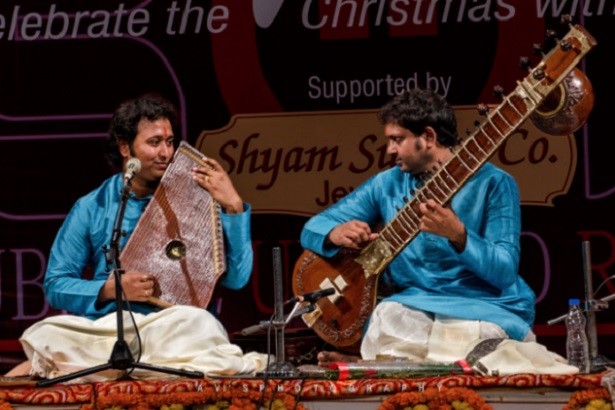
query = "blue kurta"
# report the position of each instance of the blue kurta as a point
(480, 283)
(88, 227)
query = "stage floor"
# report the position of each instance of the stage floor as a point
(522, 391)
(498, 399)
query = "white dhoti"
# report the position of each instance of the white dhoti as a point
(398, 331)
(179, 337)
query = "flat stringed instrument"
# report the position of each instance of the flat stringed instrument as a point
(339, 319)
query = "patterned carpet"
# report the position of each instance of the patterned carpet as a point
(156, 394)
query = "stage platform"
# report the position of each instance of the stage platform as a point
(521, 391)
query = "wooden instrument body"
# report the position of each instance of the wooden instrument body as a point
(341, 317)
(340, 321)
(179, 239)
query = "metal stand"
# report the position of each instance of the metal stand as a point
(597, 362)
(280, 368)
(121, 357)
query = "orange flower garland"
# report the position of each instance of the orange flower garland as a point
(5, 405)
(457, 398)
(207, 399)
(597, 399)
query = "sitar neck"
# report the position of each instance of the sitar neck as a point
(499, 123)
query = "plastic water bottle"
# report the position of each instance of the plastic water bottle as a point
(577, 346)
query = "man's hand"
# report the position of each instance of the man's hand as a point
(217, 182)
(444, 222)
(137, 287)
(352, 234)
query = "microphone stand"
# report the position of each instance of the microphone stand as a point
(597, 362)
(121, 356)
(281, 368)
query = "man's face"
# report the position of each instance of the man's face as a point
(409, 149)
(153, 146)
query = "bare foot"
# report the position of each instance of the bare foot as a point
(22, 369)
(325, 358)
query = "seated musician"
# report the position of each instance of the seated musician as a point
(183, 337)
(457, 281)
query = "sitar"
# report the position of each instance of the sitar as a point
(340, 318)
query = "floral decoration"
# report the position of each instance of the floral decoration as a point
(5, 405)
(457, 398)
(208, 399)
(590, 399)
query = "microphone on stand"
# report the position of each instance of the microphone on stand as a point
(311, 297)
(255, 328)
(133, 166)
(263, 325)
(300, 310)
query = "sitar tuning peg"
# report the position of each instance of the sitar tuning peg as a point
(498, 90)
(538, 49)
(524, 63)
(539, 74)
(468, 132)
(483, 109)
(551, 35)
(565, 45)
(476, 123)
(566, 19)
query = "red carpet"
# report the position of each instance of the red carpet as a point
(291, 393)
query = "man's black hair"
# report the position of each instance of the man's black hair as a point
(125, 122)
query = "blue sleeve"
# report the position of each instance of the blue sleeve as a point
(359, 204)
(493, 254)
(70, 255)
(238, 245)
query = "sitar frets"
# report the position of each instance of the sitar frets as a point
(472, 154)
(469, 157)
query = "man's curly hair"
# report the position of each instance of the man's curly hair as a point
(125, 122)
(418, 108)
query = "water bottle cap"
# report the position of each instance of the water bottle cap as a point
(574, 301)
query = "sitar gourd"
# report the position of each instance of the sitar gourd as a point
(555, 95)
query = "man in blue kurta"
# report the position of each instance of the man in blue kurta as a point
(181, 337)
(457, 281)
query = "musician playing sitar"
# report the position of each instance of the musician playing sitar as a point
(457, 282)
(185, 337)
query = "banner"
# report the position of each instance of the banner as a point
(284, 93)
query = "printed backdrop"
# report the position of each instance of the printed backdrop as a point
(284, 93)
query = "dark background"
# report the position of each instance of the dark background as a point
(57, 95)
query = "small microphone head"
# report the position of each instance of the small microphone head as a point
(328, 291)
(133, 166)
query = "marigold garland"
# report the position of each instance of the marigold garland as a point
(4, 405)
(456, 398)
(208, 399)
(597, 399)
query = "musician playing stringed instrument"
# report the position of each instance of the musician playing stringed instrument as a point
(181, 336)
(457, 282)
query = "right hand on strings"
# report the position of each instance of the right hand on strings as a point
(352, 234)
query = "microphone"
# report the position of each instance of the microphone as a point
(132, 167)
(254, 328)
(312, 297)
(306, 309)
